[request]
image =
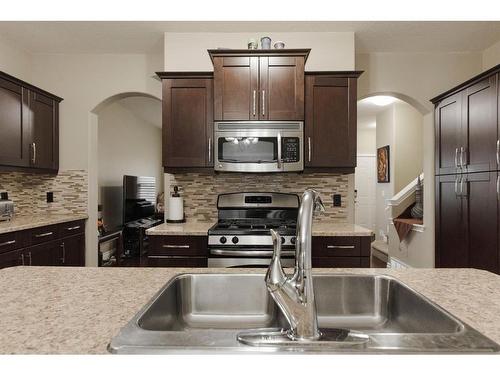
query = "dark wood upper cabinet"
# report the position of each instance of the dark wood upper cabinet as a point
(236, 88)
(29, 125)
(259, 84)
(45, 132)
(14, 125)
(187, 120)
(330, 125)
(466, 126)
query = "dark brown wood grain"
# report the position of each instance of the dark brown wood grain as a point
(330, 121)
(187, 122)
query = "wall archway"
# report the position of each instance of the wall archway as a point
(91, 255)
(406, 98)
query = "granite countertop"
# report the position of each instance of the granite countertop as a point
(189, 228)
(198, 228)
(34, 221)
(79, 310)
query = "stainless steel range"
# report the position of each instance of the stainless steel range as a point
(241, 236)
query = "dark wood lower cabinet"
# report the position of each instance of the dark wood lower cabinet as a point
(467, 221)
(44, 246)
(178, 251)
(347, 251)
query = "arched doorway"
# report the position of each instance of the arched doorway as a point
(132, 102)
(392, 121)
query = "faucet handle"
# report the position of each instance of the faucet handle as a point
(275, 275)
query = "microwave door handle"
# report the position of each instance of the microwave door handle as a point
(280, 163)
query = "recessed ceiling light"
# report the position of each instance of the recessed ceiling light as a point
(381, 100)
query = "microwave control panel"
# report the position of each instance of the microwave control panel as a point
(290, 147)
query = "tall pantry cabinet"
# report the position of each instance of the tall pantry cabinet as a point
(467, 166)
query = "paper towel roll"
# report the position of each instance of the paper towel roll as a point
(175, 208)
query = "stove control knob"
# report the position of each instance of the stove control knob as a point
(292, 240)
(235, 240)
(223, 239)
(282, 240)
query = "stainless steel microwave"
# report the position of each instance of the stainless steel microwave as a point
(258, 146)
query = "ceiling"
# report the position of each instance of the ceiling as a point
(145, 37)
(367, 113)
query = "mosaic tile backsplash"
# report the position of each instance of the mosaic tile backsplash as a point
(200, 190)
(28, 191)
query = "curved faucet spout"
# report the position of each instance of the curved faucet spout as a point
(295, 294)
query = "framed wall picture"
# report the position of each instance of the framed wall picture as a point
(383, 173)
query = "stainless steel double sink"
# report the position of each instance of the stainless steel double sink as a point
(203, 313)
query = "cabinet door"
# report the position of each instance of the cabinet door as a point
(330, 125)
(236, 88)
(44, 132)
(11, 259)
(451, 247)
(45, 254)
(480, 126)
(480, 212)
(72, 251)
(449, 135)
(187, 122)
(14, 125)
(281, 88)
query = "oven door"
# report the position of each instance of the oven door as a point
(247, 262)
(254, 258)
(254, 146)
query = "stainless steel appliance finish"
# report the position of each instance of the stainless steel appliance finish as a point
(6, 209)
(258, 146)
(294, 294)
(203, 313)
(241, 237)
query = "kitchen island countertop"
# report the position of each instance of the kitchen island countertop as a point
(79, 310)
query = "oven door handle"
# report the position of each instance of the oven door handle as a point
(246, 253)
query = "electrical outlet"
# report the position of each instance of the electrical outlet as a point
(50, 197)
(337, 200)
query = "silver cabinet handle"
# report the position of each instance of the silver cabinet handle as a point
(498, 187)
(462, 151)
(209, 149)
(280, 164)
(456, 157)
(73, 228)
(22, 259)
(33, 148)
(243, 253)
(29, 255)
(309, 147)
(63, 259)
(263, 102)
(462, 179)
(456, 184)
(44, 234)
(340, 246)
(8, 243)
(176, 246)
(498, 152)
(254, 102)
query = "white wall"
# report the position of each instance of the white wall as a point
(408, 145)
(385, 137)
(491, 56)
(15, 61)
(420, 76)
(366, 141)
(188, 51)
